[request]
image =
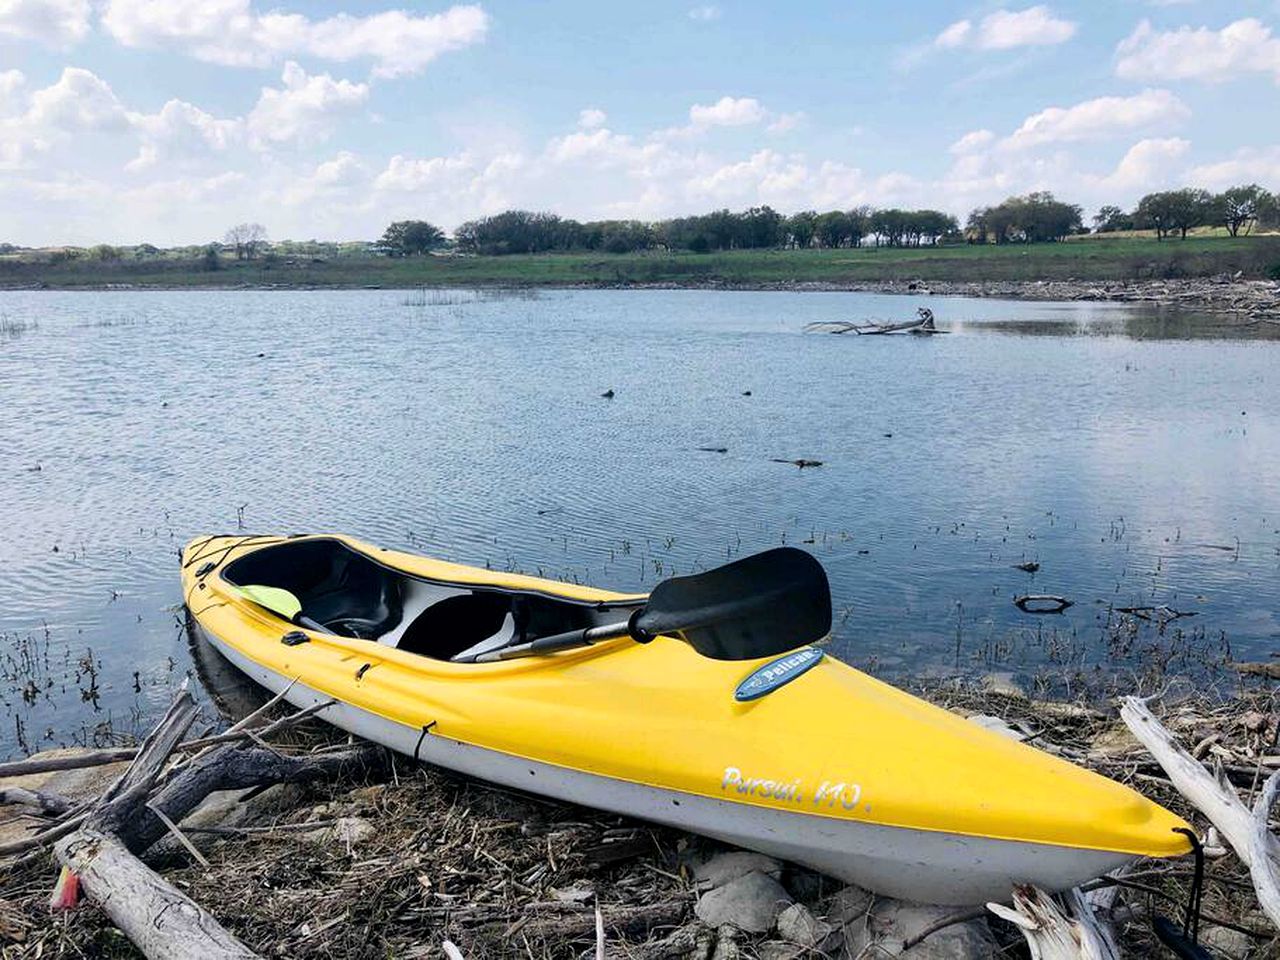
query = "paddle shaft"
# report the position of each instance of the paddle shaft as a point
(571, 640)
(304, 621)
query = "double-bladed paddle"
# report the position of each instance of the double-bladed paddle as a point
(759, 606)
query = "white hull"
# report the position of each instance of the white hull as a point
(921, 865)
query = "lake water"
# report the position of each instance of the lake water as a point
(1135, 455)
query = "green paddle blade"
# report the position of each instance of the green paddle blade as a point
(276, 599)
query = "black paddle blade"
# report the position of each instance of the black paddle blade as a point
(756, 607)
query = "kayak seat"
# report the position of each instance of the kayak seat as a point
(505, 636)
(344, 590)
(456, 624)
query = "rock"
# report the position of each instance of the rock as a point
(347, 831)
(573, 895)
(1225, 942)
(726, 944)
(892, 922)
(222, 808)
(368, 796)
(726, 867)
(1115, 741)
(807, 886)
(352, 830)
(225, 808)
(277, 799)
(780, 950)
(848, 905)
(81, 783)
(750, 903)
(798, 926)
(1003, 685)
(996, 725)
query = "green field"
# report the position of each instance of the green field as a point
(1085, 259)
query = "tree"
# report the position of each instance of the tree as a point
(247, 239)
(800, 228)
(1269, 212)
(1173, 211)
(210, 258)
(832, 229)
(1239, 207)
(1035, 218)
(1109, 219)
(406, 238)
(977, 229)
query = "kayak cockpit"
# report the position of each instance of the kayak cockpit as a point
(354, 595)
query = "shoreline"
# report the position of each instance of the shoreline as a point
(1251, 299)
(444, 857)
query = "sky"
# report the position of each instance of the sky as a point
(167, 121)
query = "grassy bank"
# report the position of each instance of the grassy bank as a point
(1086, 259)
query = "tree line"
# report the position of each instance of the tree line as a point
(1238, 209)
(757, 228)
(1038, 217)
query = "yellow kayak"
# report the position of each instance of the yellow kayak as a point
(799, 755)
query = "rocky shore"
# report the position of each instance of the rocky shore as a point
(1242, 301)
(1245, 299)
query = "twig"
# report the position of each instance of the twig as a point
(182, 838)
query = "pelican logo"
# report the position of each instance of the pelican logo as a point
(776, 673)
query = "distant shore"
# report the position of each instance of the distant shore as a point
(1239, 276)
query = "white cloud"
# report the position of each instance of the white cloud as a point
(1008, 29)
(705, 13)
(11, 82)
(786, 122)
(305, 110)
(78, 101)
(331, 179)
(181, 130)
(232, 33)
(1214, 56)
(1248, 165)
(1147, 162)
(591, 117)
(973, 140)
(55, 23)
(728, 112)
(405, 174)
(343, 170)
(600, 145)
(1101, 117)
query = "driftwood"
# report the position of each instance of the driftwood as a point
(1270, 669)
(88, 758)
(1246, 831)
(1050, 933)
(161, 921)
(47, 803)
(923, 324)
(101, 844)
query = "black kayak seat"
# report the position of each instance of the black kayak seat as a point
(455, 624)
